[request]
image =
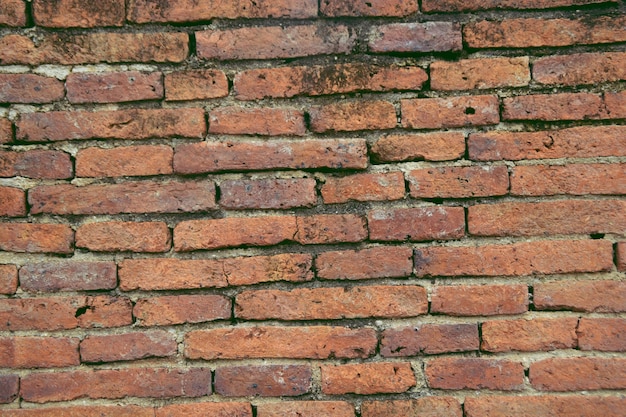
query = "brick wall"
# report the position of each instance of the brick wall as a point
(292, 208)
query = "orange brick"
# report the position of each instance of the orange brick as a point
(114, 87)
(469, 74)
(180, 309)
(36, 238)
(429, 339)
(125, 161)
(265, 381)
(83, 411)
(364, 187)
(587, 296)
(38, 352)
(423, 406)
(544, 406)
(78, 13)
(416, 224)
(124, 236)
(439, 146)
(621, 256)
(367, 378)
(259, 121)
(416, 37)
(437, 113)
(195, 85)
(30, 88)
(9, 389)
(6, 130)
(12, 13)
(353, 115)
(12, 202)
(38, 163)
(128, 346)
(464, 5)
(474, 373)
(68, 276)
(379, 262)
(578, 374)
(577, 69)
(314, 408)
(563, 106)
(271, 193)
(479, 300)
(603, 334)
(330, 228)
(538, 334)
(397, 8)
(459, 182)
(230, 409)
(8, 279)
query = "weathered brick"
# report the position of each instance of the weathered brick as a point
(125, 161)
(8, 279)
(179, 11)
(474, 373)
(464, 5)
(615, 104)
(217, 409)
(548, 218)
(416, 37)
(114, 87)
(6, 130)
(535, 32)
(603, 334)
(524, 258)
(367, 378)
(253, 156)
(265, 381)
(83, 411)
(544, 406)
(30, 88)
(127, 197)
(36, 238)
(9, 389)
(285, 82)
(576, 142)
(578, 374)
(49, 314)
(379, 262)
(294, 267)
(314, 342)
(396, 8)
(481, 73)
(458, 182)
(538, 334)
(587, 296)
(418, 407)
(116, 383)
(116, 124)
(37, 163)
(274, 42)
(124, 236)
(353, 115)
(620, 252)
(429, 339)
(256, 121)
(12, 13)
(563, 106)
(330, 228)
(180, 309)
(416, 224)
(576, 69)
(306, 409)
(68, 276)
(38, 352)
(439, 146)
(195, 85)
(78, 13)
(12, 202)
(93, 48)
(332, 303)
(479, 300)
(382, 186)
(128, 346)
(271, 193)
(437, 113)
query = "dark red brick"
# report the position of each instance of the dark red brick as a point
(30, 88)
(38, 163)
(68, 276)
(13, 13)
(396, 8)
(9, 389)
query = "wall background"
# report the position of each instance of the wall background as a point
(285, 208)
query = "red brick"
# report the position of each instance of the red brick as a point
(254, 156)
(271, 193)
(148, 11)
(587, 296)
(563, 106)
(615, 105)
(39, 163)
(578, 374)
(332, 303)
(437, 113)
(78, 13)
(114, 87)
(416, 224)
(461, 5)
(195, 85)
(8, 279)
(548, 218)
(576, 142)
(217, 409)
(285, 82)
(9, 389)
(116, 383)
(271, 42)
(538, 334)
(125, 161)
(479, 300)
(38, 352)
(621, 256)
(30, 88)
(379, 262)
(233, 231)
(12, 202)
(49, 314)
(396, 8)
(13, 13)
(265, 381)
(124, 236)
(416, 37)
(367, 378)
(459, 182)
(314, 408)
(422, 407)
(534, 32)
(576, 69)
(353, 115)
(603, 334)
(266, 342)
(127, 197)
(68, 276)
(128, 346)
(36, 238)
(382, 186)
(6, 130)
(180, 309)
(293, 267)
(544, 406)
(256, 121)
(438, 146)
(469, 74)
(330, 228)
(524, 258)
(429, 339)
(93, 48)
(83, 411)
(116, 124)
(474, 373)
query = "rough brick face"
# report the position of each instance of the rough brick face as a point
(306, 409)
(268, 193)
(195, 85)
(12, 202)
(9, 388)
(38, 164)
(544, 406)
(370, 378)
(179, 309)
(125, 161)
(480, 73)
(579, 69)
(474, 373)
(418, 224)
(603, 334)
(424, 406)
(129, 346)
(68, 276)
(364, 8)
(436, 113)
(38, 352)
(565, 106)
(114, 87)
(415, 37)
(350, 116)
(262, 121)
(36, 238)
(8, 279)
(458, 182)
(124, 236)
(78, 13)
(529, 335)
(13, 13)
(29, 88)
(429, 339)
(443, 146)
(380, 262)
(586, 296)
(266, 381)
(575, 374)
(479, 300)
(364, 187)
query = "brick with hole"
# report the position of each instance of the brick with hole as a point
(114, 87)
(8, 279)
(367, 378)
(270, 193)
(429, 339)
(195, 85)
(264, 121)
(38, 352)
(128, 346)
(12, 202)
(6, 130)
(330, 228)
(377, 262)
(200, 409)
(562, 106)
(124, 236)
(461, 5)
(538, 334)
(68, 276)
(143, 160)
(314, 408)
(78, 13)
(437, 113)
(544, 406)
(578, 374)
(266, 342)
(474, 373)
(602, 296)
(30, 88)
(458, 182)
(353, 116)
(384, 186)
(180, 309)
(37, 164)
(36, 238)
(479, 300)
(13, 13)
(9, 388)
(480, 73)
(580, 69)
(415, 37)
(416, 224)
(83, 411)
(264, 381)
(436, 146)
(424, 406)
(395, 8)
(602, 334)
